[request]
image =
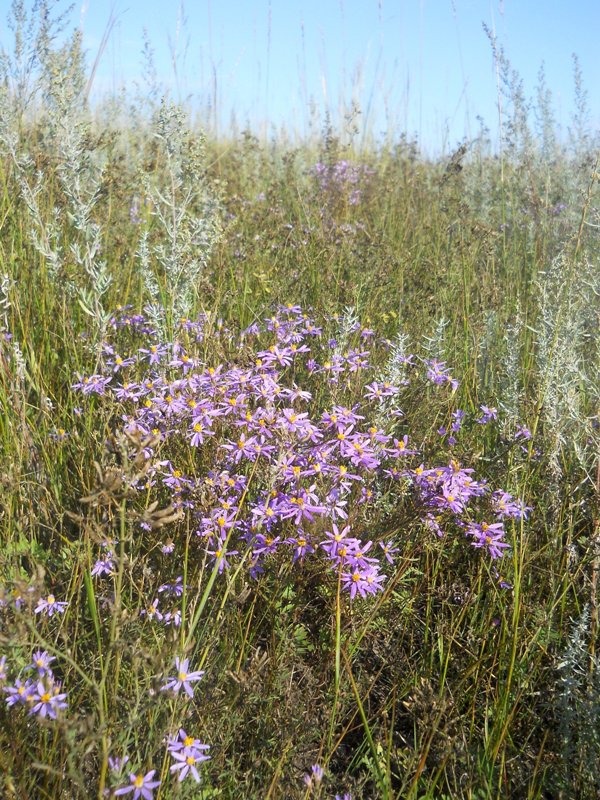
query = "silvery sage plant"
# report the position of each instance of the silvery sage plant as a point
(57, 79)
(186, 218)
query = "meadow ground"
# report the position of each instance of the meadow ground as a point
(299, 441)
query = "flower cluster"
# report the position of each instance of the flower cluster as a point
(37, 689)
(292, 440)
(187, 753)
(342, 177)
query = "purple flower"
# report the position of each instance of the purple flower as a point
(116, 763)
(388, 550)
(152, 611)
(50, 605)
(184, 678)
(438, 373)
(186, 743)
(94, 384)
(41, 662)
(489, 413)
(362, 581)
(186, 764)
(142, 786)
(20, 693)
(47, 700)
(505, 505)
(489, 536)
(314, 777)
(522, 432)
(187, 753)
(104, 566)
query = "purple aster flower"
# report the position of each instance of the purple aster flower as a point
(41, 662)
(104, 566)
(505, 505)
(176, 588)
(362, 581)
(187, 758)
(142, 786)
(94, 384)
(173, 618)
(522, 432)
(47, 700)
(116, 763)
(152, 611)
(154, 353)
(50, 605)
(118, 362)
(187, 744)
(183, 678)
(20, 693)
(457, 417)
(489, 536)
(388, 550)
(335, 540)
(314, 777)
(489, 413)
(219, 556)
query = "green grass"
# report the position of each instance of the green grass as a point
(442, 686)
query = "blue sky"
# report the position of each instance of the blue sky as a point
(419, 66)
